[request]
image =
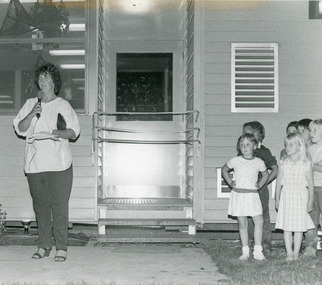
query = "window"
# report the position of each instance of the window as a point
(144, 84)
(33, 32)
(254, 77)
(315, 9)
(223, 190)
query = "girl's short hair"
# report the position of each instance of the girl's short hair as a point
(53, 71)
(300, 140)
(257, 127)
(250, 137)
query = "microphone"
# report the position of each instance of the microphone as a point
(38, 114)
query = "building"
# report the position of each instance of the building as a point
(230, 61)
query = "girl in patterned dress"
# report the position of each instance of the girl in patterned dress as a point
(294, 194)
(244, 200)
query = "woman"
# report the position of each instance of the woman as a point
(49, 122)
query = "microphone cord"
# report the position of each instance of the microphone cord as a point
(33, 144)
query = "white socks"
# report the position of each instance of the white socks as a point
(258, 252)
(245, 255)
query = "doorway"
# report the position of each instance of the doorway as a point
(148, 82)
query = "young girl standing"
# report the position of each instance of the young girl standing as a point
(244, 200)
(294, 194)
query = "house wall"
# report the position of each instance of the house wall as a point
(300, 84)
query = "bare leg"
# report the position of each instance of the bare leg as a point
(297, 243)
(258, 234)
(243, 225)
(258, 229)
(288, 245)
(243, 232)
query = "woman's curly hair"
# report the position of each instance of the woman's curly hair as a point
(53, 71)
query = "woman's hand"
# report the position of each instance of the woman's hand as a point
(36, 109)
(56, 133)
(67, 134)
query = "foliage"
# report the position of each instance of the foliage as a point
(3, 216)
(275, 270)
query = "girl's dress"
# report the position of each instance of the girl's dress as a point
(292, 213)
(246, 176)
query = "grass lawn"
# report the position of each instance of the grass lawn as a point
(273, 271)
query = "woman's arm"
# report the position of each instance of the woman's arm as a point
(65, 134)
(225, 173)
(24, 124)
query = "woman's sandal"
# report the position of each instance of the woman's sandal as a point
(61, 255)
(41, 252)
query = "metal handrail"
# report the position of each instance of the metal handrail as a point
(100, 140)
(148, 113)
(142, 132)
(98, 115)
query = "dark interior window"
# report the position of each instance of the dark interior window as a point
(144, 84)
(315, 9)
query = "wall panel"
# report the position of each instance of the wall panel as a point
(300, 84)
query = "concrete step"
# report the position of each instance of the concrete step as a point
(117, 234)
(146, 222)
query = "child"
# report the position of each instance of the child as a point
(291, 128)
(244, 200)
(315, 152)
(295, 176)
(257, 129)
(303, 129)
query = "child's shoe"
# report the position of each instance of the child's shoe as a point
(245, 255)
(289, 257)
(258, 253)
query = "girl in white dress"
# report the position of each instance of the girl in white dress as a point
(244, 200)
(294, 194)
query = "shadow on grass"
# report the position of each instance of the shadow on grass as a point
(275, 270)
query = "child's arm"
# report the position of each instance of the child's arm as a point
(263, 180)
(273, 174)
(278, 189)
(311, 190)
(225, 174)
(317, 167)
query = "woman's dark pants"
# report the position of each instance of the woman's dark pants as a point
(50, 192)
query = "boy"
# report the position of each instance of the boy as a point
(303, 129)
(315, 151)
(257, 129)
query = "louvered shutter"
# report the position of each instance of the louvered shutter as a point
(254, 72)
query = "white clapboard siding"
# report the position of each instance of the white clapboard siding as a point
(299, 42)
(15, 196)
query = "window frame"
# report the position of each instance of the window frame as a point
(314, 11)
(256, 46)
(34, 41)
